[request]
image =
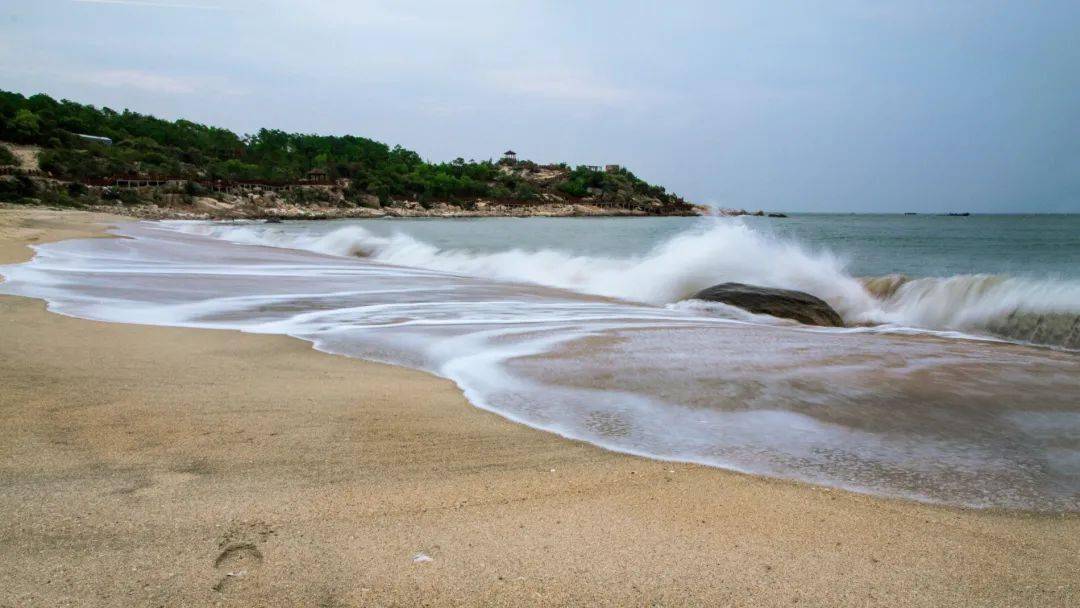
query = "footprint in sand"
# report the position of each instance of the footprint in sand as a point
(237, 560)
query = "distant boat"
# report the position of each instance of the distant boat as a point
(964, 214)
(910, 213)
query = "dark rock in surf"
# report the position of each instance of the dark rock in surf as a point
(783, 303)
(774, 214)
(1054, 329)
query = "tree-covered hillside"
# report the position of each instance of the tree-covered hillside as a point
(145, 145)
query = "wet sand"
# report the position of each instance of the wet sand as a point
(147, 466)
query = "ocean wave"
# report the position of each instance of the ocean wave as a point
(1041, 311)
(862, 408)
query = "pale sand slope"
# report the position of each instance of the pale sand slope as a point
(141, 465)
(26, 155)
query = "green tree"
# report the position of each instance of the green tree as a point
(6, 157)
(26, 125)
(148, 145)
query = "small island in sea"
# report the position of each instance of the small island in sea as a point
(67, 154)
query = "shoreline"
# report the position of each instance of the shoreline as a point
(158, 461)
(297, 213)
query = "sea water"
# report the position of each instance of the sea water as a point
(956, 379)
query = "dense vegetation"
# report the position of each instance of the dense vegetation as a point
(6, 157)
(145, 145)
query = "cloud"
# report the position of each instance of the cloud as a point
(446, 109)
(152, 82)
(152, 4)
(137, 79)
(429, 17)
(563, 86)
(357, 13)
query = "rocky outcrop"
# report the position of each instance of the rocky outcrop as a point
(614, 187)
(729, 212)
(326, 201)
(204, 208)
(783, 303)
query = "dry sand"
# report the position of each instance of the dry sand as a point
(147, 466)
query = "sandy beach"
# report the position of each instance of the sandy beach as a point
(150, 466)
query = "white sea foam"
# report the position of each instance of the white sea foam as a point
(717, 251)
(713, 252)
(868, 409)
(974, 301)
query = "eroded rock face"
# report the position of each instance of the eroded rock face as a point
(783, 303)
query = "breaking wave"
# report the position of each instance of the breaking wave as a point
(1029, 310)
(1041, 311)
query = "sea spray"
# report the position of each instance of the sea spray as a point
(718, 250)
(714, 251)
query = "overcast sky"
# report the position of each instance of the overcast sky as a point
(813, 106)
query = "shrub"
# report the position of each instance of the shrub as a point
(16, 188)
(573, 187)
(6, 157)
(129, 197)
(194, 189)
